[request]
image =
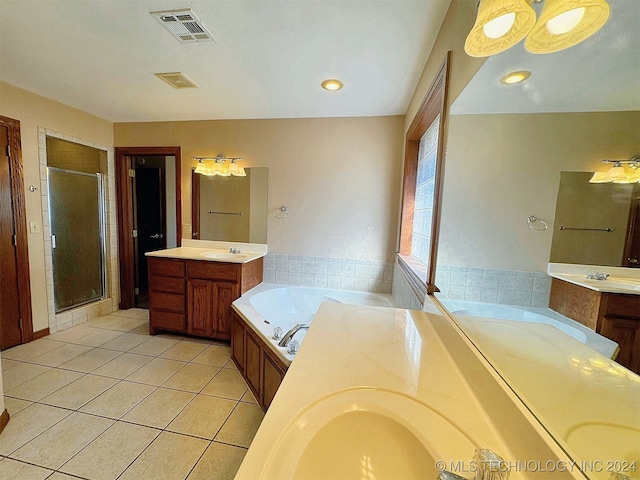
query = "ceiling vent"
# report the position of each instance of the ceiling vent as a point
(177, 80)
(184, 25)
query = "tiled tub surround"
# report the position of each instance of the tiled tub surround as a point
(105, 400)
(326, 272)
(505, 287)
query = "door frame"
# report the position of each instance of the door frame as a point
(20, 218)
(124, 202)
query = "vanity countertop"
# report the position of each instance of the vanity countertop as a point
(620, 280)
(213, 251)
(355, 348)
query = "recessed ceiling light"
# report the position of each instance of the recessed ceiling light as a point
(515, 77)
(332, 84)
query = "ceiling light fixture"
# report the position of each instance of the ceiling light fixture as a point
(515, 77)
(500, 24)
(617, 173)
(332, 84)
(210, 166)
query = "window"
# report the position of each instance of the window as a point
(422, 186)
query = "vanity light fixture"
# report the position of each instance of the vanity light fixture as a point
(217, 165)
(617, 173)
(332, 84)
(500, 24)
(515, 77)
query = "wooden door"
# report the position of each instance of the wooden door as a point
(224, 293)
(10, 331)
(632, 245)
(15, 290)
(626, 333)
(200, 306)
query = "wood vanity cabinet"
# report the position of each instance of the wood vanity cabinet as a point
(195, 296)
(612, 315)
(262, 369)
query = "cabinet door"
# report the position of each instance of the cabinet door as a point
(237, 342)
(626, 333)
(271, 381)
(252, 363)
(200, 300)
(225, 293)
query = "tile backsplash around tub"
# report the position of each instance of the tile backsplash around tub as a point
(327, 272)
(506, 287)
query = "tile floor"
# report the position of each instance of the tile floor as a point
(105, 400)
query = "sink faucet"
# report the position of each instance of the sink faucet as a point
(289, 335)
(597, 276)
(487, 464)
(234, 250)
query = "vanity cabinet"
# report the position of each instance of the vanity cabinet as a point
(612, 315)
(262, 369)
(195, 296)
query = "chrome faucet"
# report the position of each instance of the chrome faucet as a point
(289, 335)
(234, 250)
(597, 276)
(487, 465)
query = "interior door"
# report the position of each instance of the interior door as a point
(10, 331)
(150, 225)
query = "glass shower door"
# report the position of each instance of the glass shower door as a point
(77, 237)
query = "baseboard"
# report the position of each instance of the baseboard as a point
(41, 333)
(4, 419)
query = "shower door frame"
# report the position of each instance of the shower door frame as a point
(102, 221)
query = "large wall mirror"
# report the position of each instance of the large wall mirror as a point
(508, 147)
(232, 209)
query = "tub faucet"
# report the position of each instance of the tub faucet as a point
(289, 335)
(597, 276)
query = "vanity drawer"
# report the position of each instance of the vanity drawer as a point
(167, 284)
(167, 321)
(166, 267)
(213, 270)
(166, 301)
(622, 305)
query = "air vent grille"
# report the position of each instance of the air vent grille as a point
(184, 25)
(177, 80)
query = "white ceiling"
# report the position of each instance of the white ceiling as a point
(600, 74)
(267, 62)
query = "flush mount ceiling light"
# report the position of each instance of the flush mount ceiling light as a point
(515, 77)
(332, 84)
(500, 24)
(617, 173)
(184, 25)
(217, 165)
(177, 80)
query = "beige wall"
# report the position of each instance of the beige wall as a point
(502, 168)
(339, 177)
(34, 111)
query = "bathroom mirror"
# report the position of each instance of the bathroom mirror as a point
(232, 209)
(507, 146)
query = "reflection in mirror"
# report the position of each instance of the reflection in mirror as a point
(595, 222)
(507, 146)
(232, 209)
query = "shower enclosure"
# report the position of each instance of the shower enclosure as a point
(76, 210)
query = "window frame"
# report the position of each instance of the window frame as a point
(421, 277)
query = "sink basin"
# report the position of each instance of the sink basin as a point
(224, 255)
(620, 444)
(366, 433)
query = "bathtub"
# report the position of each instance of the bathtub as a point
(534, 315)
(269, 305)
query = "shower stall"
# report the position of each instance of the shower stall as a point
(77, 219)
